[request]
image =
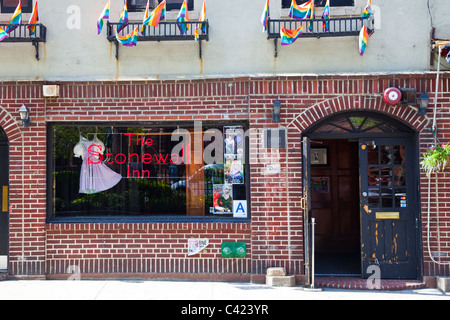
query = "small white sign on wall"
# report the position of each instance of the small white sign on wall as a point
(196, 245)
(240, 209)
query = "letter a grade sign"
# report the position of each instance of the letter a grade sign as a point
(240, 208)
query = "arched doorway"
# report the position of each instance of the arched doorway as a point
(4, 207)
(362, 171)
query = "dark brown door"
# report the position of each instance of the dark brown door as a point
(388, 207)
(4, 207)
(335, 206)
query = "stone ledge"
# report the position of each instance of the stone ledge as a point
(280, 281)
(443, 283)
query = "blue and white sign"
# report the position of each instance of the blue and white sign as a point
(240, 209)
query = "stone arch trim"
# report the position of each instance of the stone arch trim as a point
(318, 111)
(9, 125)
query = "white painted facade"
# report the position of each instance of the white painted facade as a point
(236, 47)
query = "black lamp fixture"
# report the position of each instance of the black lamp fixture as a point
(24, 113)
(276, 111)
(423, 104)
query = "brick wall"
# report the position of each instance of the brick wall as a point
(275, 235)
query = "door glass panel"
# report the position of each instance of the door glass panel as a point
(387, 197)
(374, 197)
(386, 176)
(399, 154)
(372, 154)
(385, 154)
(374, 177)
(400, 176)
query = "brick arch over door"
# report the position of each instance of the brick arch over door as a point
(9, 124)
(318, 111)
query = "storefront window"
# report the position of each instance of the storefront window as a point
(190, 170)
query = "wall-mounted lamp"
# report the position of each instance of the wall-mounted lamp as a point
(24, 113)
(423, 104)
(276, 111)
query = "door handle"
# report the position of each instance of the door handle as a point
(5, 199)
(302, 203)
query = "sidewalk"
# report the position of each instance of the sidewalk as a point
(190, 291)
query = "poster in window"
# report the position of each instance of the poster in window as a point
(234, 154)
(234, 170)
(223, 199)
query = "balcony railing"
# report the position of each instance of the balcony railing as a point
(338, 27)
(166, 31)
(23, 34)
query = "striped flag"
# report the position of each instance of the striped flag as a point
(289, 36)
(16, 19)
(130, 40)
(123, 21)
(303, 12)
(326, 17)
(3, 34)
(265, 17)
(363, 39)
(155, 17)
(202, 24)
(367, 10)
(104, 15)
(183, 16)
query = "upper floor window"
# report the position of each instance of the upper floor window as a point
(140, 5)
(321, 3)
(8, 6)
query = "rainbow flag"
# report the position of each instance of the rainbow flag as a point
(130, 40)
(104, 15)
(367, 10)
(265, 16)
(155, 17)
(326, 17)
(202, 24)
(202, 19)
(123, 21)
(304, 11)
(3, 34)
(289, 36)
(16, 19)
(183, 16)
(34, 19)
(363, 39)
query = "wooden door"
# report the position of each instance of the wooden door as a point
(388, 207)
(335, 196)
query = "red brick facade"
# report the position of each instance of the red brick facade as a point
(275, 235)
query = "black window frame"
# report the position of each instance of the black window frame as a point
(132, 218)
(169, 6)
(320, 3)
(11, 9)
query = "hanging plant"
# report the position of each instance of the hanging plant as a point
(436, 159)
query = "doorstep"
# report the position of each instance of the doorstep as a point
(354, 283)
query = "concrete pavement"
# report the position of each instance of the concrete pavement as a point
(190, 291)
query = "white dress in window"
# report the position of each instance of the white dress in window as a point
(95, 176)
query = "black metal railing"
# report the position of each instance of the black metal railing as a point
(166, 31)
(22, 34)
(338, 27)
